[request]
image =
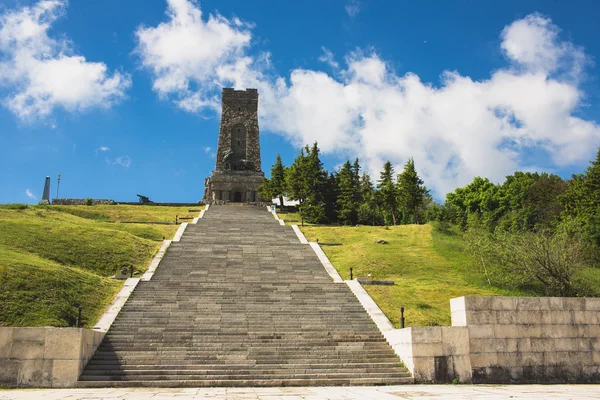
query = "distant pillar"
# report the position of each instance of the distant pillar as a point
(46, 195)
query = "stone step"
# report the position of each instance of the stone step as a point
(355, 381)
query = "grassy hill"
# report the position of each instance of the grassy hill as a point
(53, 258)
(429, 268)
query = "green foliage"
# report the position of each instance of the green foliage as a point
(412, 194)
(276, 186)
(88, 202)
(348, 199)
(388, 194)
(14, 206)
(553, 260)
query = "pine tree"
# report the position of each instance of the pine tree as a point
(277, 184)
(313, 186)
(388, 192)
(295, 178)
(347, 206)
(411, 193)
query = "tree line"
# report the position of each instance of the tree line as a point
(534, 232)
(348, 196)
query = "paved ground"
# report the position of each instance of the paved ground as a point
(421, 392)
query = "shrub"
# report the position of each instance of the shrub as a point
(88, 202)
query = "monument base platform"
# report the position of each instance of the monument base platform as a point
(234, 186)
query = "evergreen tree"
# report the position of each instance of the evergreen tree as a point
(277, 183)
(412, 194)
(313, 188)
(347, 204)
(388, 193)
(295, 178)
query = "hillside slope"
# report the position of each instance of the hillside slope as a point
(52, 260)
(428, 268)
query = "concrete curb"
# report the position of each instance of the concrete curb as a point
(326, 263)
(112, 311)
(201, 215)
(300, 234)
(156, 260)
(179, 232)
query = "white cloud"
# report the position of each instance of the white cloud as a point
(42, 73)
(184, 52)
(30, 194)
(456, 130)
(328, 58)
(102, 149)
(352, 8)
(124, 161)
(208, 150)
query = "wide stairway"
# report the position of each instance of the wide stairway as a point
(239, 301)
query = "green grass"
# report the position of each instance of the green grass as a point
(127, 213)
(55, 258)
(429, 268)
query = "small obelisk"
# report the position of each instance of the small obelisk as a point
(46, 196)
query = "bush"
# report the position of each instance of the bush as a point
(88, 202)
(16, 206)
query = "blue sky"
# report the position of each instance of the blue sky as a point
(122, 97)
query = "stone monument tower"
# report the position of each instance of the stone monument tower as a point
(46, 195)
(237, 174)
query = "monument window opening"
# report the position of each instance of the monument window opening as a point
(238, 145)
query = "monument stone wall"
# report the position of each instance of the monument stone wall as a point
(237, 174)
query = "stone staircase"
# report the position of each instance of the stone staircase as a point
(240, 302)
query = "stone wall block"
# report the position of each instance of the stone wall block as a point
(27, 349)
(543, 344)
(424, 368)
(63, 343)
(427, 349)
(524, 344)
(481, 331)
(481, 317)
(34, 334)
(573, 303)
(556, 303)
(427, 334)
(585, 317)
(566, 344)
(455, 340)
(35, 373)
(6, 340)
(562, 317)
(65, 372)
(592, 304)
(509, 359)
(9, 372)
(495, 345)
(504, 303)
(532, 303)
(483, 360)
(507, 331)
(462, 368)
(506, 317)
(478, 303)
(530, 331)
(532, 358)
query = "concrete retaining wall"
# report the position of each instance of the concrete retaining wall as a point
(45, 357)
(531, 339)
(507, 340)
